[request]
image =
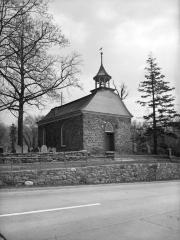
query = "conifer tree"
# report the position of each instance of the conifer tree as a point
(157, 96)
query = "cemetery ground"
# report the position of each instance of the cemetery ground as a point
(32, 162)
(113, 211)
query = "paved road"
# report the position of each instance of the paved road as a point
(109, 212)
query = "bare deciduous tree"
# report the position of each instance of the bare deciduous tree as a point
(28, 71)
(10, 10)
(121, 91)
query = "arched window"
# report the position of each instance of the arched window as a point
(63, 136)
(44, 136)
(109, 127)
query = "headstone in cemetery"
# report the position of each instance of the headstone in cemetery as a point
(73, 169)
(25, 149)
(53, 149)
(18, 149)
(148, 148)
(134, 147)
(28, 183)
(44, 149)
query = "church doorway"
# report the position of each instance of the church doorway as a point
(109, 140)
(109, 137)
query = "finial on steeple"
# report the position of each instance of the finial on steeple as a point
(102, 77)
(101, 52)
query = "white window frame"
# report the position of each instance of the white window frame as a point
(44, 136)
(62, 140)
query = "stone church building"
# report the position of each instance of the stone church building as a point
(98, 122)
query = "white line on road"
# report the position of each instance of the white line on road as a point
(49, 210)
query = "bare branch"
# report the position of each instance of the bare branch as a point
(122, 91)
(27, 70)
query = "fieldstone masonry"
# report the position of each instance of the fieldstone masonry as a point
(93, 174)
(94, 133)
(43, 157)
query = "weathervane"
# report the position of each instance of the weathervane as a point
(101, 52)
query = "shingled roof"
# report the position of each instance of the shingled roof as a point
(102, 73)
(101, 100)
(67, 109)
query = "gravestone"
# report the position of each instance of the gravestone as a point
(73, 169)
(25, 149)
(29, 183)
(148, 148)
(44, 149)
(134, 147)
(18, 149)
(53, 149)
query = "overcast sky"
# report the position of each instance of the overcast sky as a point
(128, 30)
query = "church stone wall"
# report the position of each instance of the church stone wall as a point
(94, 133)
(123, 140)
(87, 131)
(72, 128)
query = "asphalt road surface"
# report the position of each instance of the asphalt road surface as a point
(109, 212)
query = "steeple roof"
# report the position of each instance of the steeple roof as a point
(102, 73)
(102, 76)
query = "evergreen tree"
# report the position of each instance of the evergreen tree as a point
(157, 96)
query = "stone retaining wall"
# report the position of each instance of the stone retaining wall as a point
(93, 174)
(43, 157)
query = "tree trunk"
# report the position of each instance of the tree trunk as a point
(154, 134)
(20, 116)
(20, 126)
(154, 118)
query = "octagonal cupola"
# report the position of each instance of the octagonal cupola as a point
(102, 78)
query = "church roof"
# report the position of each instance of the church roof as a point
(68, 108)
(105, 101)
(101, 100)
